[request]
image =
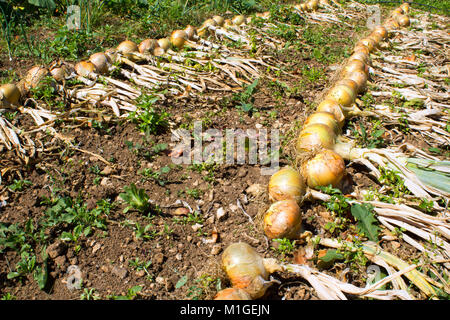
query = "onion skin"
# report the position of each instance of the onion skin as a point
(232, 294)
(178, 38)
(59, 73)
(84, 68)
(34, 76)
(359, 77)
(359, 47)
(323, 117)
(164, 43)
(219, 20)
(349, 83)
(382, 31)
(404, 21)
(148, 45)
(405, 8)
(10, 92)
(342, 94)
(238, 20)
(330, 105)
(286, 184)
(191, 32)
(283, 220)
(354, 65)
(127, 46)
(360, 56)
(245, 269)
(101, 62)
(326, 168)
(315, 136)
(158, 51)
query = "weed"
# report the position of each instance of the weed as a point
(148, 119)
(244, 99)
(285, 246)
(89, 294)
(19, 185)
(131, 294)
(157, 176)
(136, 199)
(203, 286)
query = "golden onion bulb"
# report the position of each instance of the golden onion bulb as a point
(369, 43)
(127, 46)
(405, 8)
(84, 68)
(164, 43)
(315, 136)
(359, 77)
(323, 117)
(245, 269)
(361, 48)
(342, 94)
(326, 168)
(101, 62)
(191, 32)
(376, 38)
(227, 23)
(208, 23)
(283, 220)
(354, 65)
(148, 45)
(59, 73)
(178, 38)
(286, 183)
(312, 5)
(404, 21)
(238, 20)
(219, 20)
(391, 24)
(361, 56)
(330, 105)
(232, 294)
(158, 51)
(34, 76)
(380, 30)
(349, 83)
(10, 92)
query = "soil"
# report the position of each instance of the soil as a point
(178, 248)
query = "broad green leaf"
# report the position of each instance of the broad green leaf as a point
(366, 221)
(181, 282)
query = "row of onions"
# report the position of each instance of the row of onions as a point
(320, 162)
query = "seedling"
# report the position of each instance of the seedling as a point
(136, 199)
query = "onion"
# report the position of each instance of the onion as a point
(369, 43)
(227, 23)
(148, 45)
(283, 220)
(219, 20)
(158, 51)
(127, 46)
(391, 24)
(323, 117)
(361, 48)
(315, 136)
(112, 55)
(285, 184)
(101, 62)
(405, 7)
(326, 168)
(359, 77)
(324, 2)
(330, 105)
(191, 32)
(232, 294)
(178, 38)
(59, 73)
(361, 56)
(355, 65)
(164, 43)
(238, 20)
(349, 83)
(342, 94)
(245, 269)
(381, 31)
(10, 92)
(312, 5)
(34, 76)
(84, 68)
(304, 7)
(376, 38)
(404, 21)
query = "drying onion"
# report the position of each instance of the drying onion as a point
(369, 43)
(354, 65)
(34, 76)
(405, 7)
(342, 94)
(330, 105)
(376, 38)
(245, 269)
(323, 117)
(287, 183)
(359, 47)
(349, 83)
(404, 21)
(238, 20)
(191, 32)
(312, 5)
(59, 73)
(326, 168)
(164, 43)
(219, 20)
(158, 51)
(84, 68)
(283, 220)
(232, 294)
(381, 31)
(315, 136)
(126, 47)
(361, 56)
(148, 45)
(10, 92)
(359, 77)
(101, 62)
(391, 24)
(178, 38)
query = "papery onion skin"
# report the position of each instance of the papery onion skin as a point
(245, 269)
(315, 136)
(238, 20)
(404, 21)
(405, 7)
(84, 68)
(158, 51)
(353, 65)
(219, 20)
(191, 32)
(164, 43)
(360, 56)
(361, 48)
(349, 83)
(232, 294)
(34, 76)
(10, 92)
(382, 31)
(101, 62)
(326, 168)
(342, 94)
(359, 77)
(178, 38)
(369, 43)
(323, 117)
(330, 105)
(312, 5)
(285, 184)
(283, 219)
(148, 45)
(127, 46)
(59, 73)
